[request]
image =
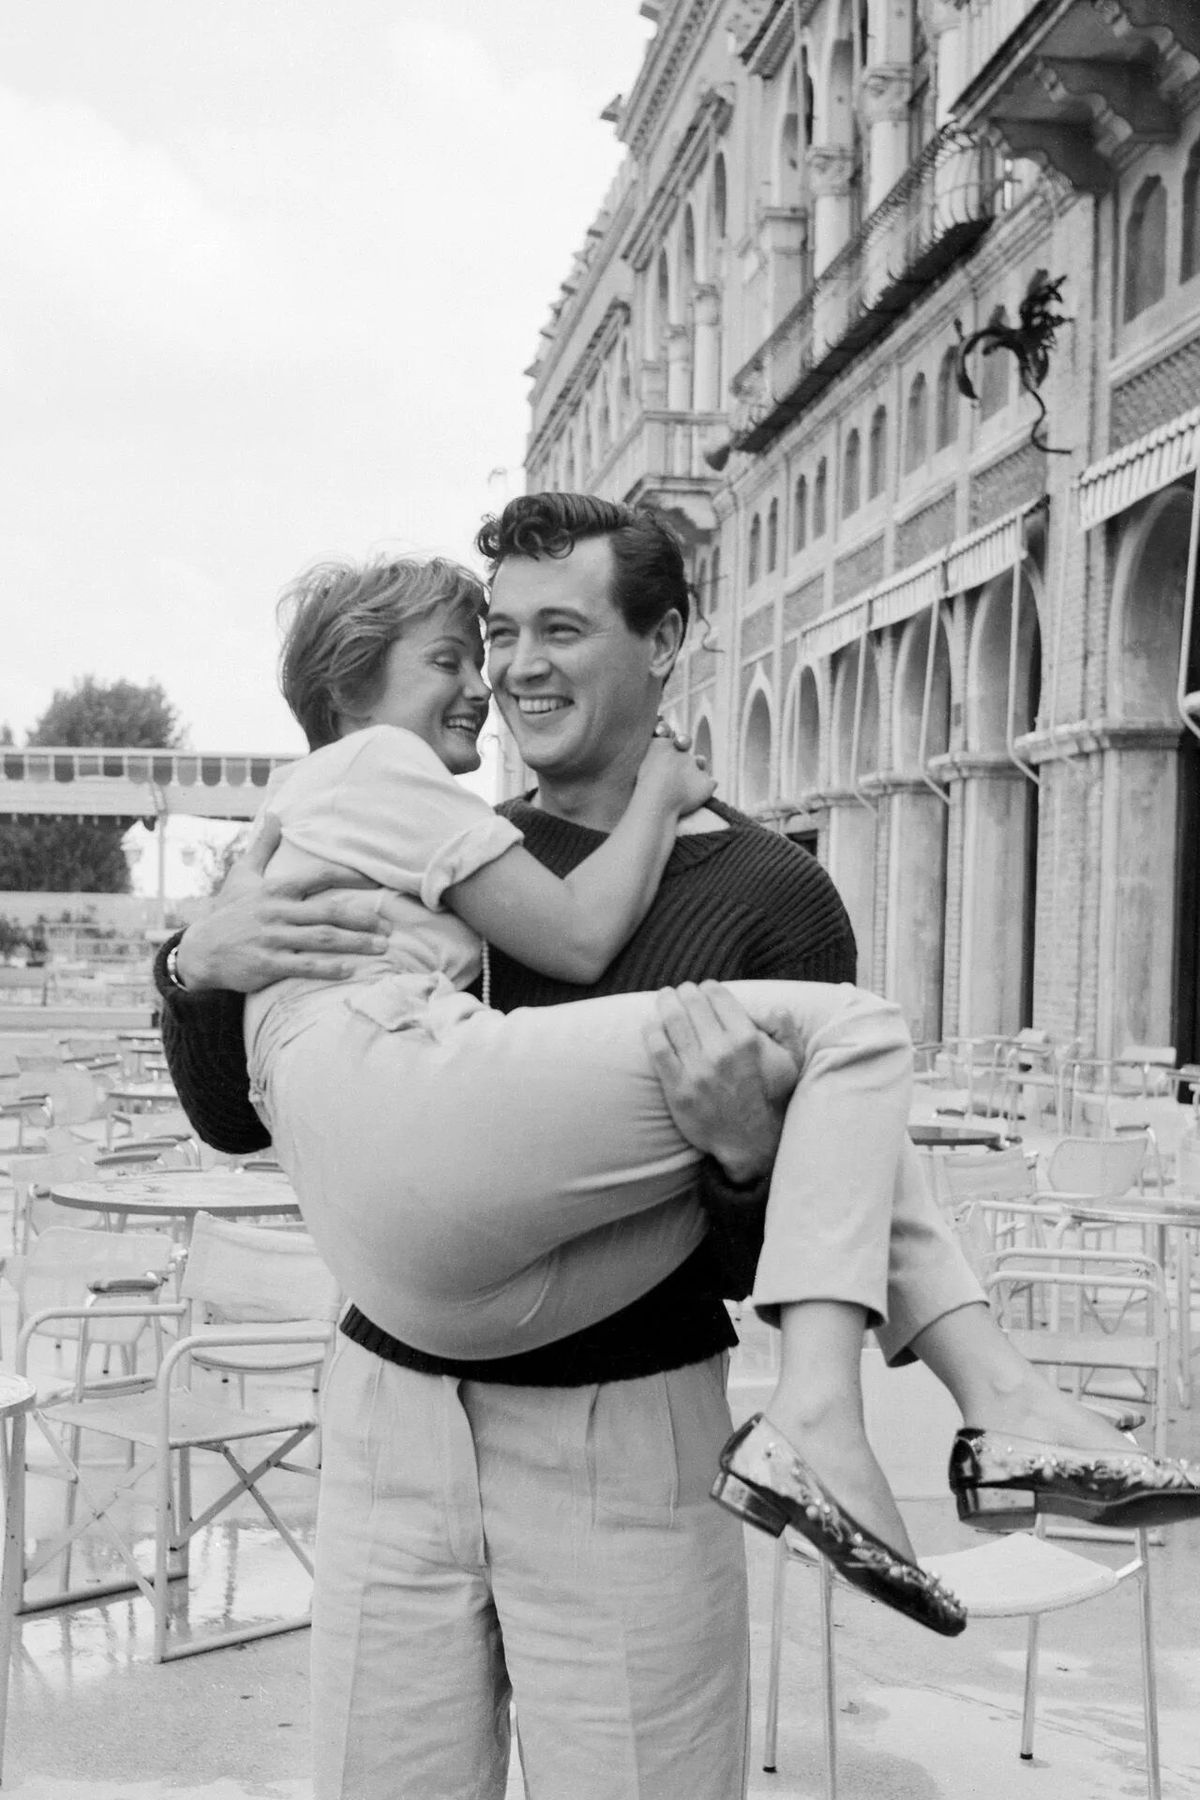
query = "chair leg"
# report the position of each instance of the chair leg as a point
(1149, 1676)
(12, 1453)
(1029, 1704)
(778, 1588)
(828, 1680)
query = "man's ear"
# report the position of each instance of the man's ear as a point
(667, 643)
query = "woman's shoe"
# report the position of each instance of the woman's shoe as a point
(766, 1483)
(1003, 1483)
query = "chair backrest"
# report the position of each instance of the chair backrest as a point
(254, 1275)
(1103, 1167)
(994, 1175)
(64, 1258)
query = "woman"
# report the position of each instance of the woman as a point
(484, 1183)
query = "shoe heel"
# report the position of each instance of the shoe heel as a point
(736, 1496)
(997, 1509)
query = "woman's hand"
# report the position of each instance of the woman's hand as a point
(674, 776)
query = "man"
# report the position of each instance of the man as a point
(541, 1524)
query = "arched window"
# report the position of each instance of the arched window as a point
(772, 536)
(719, 199)
(993, 383)
(1189, 262)
(800, 514)
(1145, 248)
(946, 428)
(916, 426)
(877, 454)
(851, 458)
(755, 560)
(714, 582)
(820, 511)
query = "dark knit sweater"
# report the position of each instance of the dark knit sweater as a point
(737, 904)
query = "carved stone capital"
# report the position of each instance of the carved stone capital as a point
(829, 167)
(706, 301)
(941, 16)
(886, 90)
(745, 19)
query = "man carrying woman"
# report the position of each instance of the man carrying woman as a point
(539, 1521)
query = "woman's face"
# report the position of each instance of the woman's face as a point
(433, 685)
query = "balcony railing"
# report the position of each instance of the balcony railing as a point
(661, 449)
(933, 217)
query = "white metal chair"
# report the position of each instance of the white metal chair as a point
(1099, 1317)
(911, 1420)
(247, 1274)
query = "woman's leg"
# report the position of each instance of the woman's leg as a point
(499, 1182)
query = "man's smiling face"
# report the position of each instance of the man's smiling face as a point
(576, 687)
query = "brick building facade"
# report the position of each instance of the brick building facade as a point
(953, 652)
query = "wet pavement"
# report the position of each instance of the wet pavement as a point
(92, 1717)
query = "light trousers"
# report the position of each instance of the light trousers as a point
(485, 1183)
(478, 1542)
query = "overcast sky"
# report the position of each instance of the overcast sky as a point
(270, 272)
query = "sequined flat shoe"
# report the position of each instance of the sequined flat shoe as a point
(768, 1484)
(1004, 1483)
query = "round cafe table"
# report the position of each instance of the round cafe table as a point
(932, 1134)
(182, 1193)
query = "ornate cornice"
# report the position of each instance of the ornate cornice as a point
(661, 70)
(616, 316)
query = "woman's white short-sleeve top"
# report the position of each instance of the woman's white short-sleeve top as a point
(378, 809)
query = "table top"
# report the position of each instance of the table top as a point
(1136, 1209)
(16, 1394)
(144, 1091)
(151, 1039)
(931, 1134)
(181, 1193)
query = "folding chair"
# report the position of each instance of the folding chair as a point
(240, 1271)
(911, 1421)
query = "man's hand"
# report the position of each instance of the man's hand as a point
(724, 1080)
(260, 931)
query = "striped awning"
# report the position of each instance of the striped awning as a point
(986, 553)
(835, 630)
(966, 563)
(1140, 469)
(907, 593)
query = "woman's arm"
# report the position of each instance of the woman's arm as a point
(572, 928)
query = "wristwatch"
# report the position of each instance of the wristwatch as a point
(172, 968)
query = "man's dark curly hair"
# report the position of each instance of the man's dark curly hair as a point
(649, 579)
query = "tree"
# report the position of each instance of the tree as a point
(63, 856)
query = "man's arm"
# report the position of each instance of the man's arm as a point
(258, 932)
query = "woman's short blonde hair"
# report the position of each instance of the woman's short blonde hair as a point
(340, 620)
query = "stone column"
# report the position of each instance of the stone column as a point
(995, 800)
(852, 870)
(916, 905)
(679, 368)
(706, 350)
(829, 167)
(943, 27)
(886, 90)
(783, 244)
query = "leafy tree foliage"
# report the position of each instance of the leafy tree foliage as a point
(65, 856)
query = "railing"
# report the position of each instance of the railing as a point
(660, 446)
(933, 216)
(157, 768)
